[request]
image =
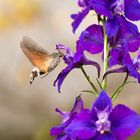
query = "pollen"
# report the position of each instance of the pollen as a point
(102, 132)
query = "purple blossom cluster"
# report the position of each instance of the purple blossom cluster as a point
(101, 122)
(116, 37)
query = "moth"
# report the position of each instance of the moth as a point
(42, 60)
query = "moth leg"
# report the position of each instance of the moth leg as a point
(35, 73)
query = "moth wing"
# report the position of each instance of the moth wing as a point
(35, 53)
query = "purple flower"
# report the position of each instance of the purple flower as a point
(127, 32)
(67, 118)
(100, 123)
(104, 122)
(112, 8)
(92, 40)
(127, 39)
(78, 17)
(73, 60)
(121, 56)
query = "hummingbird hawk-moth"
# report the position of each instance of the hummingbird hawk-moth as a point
(43, 61)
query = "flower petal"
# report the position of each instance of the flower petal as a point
(81, 130)
(115, 57)
(136, 61)
(62, 75)
(112, 27)
(126, 26)
(57, 130)
(93, 63)
(91, 39)
(134, 43)
(78, 18)
(102, 8)
(82, 60)
(65, 137)
(125, 122)
(128, 63)
(78, 105)
(65, 115)
(82, 3)
(102, 102)
(132, 9)
(85, 114)
(130, 33)
(118, 70)
(106, 136)
(68, 57)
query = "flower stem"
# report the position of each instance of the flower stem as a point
(88, 79)
(119, 89)
(104, 83)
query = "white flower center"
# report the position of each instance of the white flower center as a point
(103, 124)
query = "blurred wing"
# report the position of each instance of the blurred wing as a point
(36, 54)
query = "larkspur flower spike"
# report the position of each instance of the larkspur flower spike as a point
(116, 37)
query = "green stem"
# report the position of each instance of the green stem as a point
(119, 89)
(85, 91)
(104, 83)
(88, 79)
(99, 84)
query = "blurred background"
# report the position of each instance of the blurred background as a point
(28, 112)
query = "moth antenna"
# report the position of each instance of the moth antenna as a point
(58, 50)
